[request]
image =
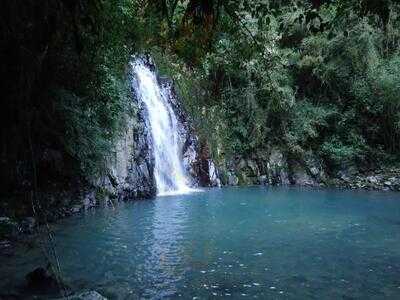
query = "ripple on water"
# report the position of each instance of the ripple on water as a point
(278, 243)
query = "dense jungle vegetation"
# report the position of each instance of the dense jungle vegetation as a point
(307, 76)
(320, 76)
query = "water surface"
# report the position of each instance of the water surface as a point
(238, 243)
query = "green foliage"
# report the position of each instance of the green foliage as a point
(337, 152)
(93, 127)
(307, 76)
(307, 124)
(66, 63)
(94, 112)
(378, 95)
(350, 70)
(96, 117)
(304, 75)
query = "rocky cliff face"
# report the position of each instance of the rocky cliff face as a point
(196, 157)
(130, 172)
(276, 167)
(270, 168)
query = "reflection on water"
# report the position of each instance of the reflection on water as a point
(166, 254)
(278, 243)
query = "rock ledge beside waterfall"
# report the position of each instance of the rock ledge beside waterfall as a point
(277, 168)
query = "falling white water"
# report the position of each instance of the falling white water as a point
(168, 171)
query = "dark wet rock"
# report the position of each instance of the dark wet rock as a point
(6, 248)
(28, 225)
(247, 171)
(8, 228)
(263, 179)
(306, 171)
(314, 167)
(373, 179)
(89, 200)
(135, 169)
(233, 180)
(42, 281)
(130, 172)
(343, 176)
(252, 167)
(4, 220)
(300, 176)
(385, 180)
(203, 170)
(278, 168)
(196, 156)
(76, 209)
(213, 174)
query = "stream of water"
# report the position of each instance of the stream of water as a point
(169, 172)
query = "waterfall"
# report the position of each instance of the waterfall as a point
(169, 172)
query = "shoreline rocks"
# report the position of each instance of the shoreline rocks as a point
(277, 169)
(42, 281)
(380, 180)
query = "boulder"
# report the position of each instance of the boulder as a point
(372, 179)
(6, 248)
(314, 167)
(213, 174)
(307, 170)
(233, 180)
(244, 179)
(28, 225)
(8, 228)
(76, 209)
(43, 281)
(263, 179)
(248, 171)
(89, 200)
(5, 220)
(342, 175)
(300, 176)
(253, 168)
(278, 168)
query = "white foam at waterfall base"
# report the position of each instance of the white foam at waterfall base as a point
(170, 175)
